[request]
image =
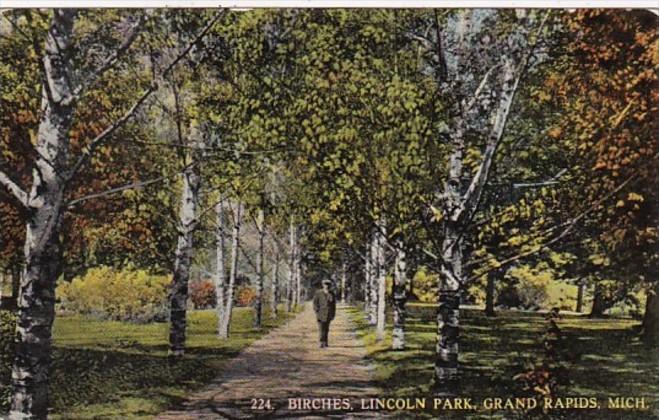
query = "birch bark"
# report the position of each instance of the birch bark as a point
(233, 271)
(400, 298)
(187, 224)
(381, 280)
(220, 273)
(43, 251)
(258, 304)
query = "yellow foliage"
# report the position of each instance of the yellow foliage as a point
(128, 295)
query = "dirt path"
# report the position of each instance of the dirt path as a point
(285, 364)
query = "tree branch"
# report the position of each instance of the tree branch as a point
(472, 196)
(111, 191)
(569, 226)
(111, 59)
(16, 191)
(136, 106)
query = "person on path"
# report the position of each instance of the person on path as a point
(324, 304)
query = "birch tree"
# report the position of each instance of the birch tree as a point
(54, 168)
(478, 62)
(228, 298)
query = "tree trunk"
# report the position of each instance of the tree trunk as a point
(373, 287)
(298, 269)
(275, 288)
(16, 285)
(258, 304)
(651, 317)
(598, 308)
(400, 298)
(367, 283)
(233, 271)
(580, 292)
(290, 292)
(489, 293)
(448, 314)
(220, 274)
(343, 282)
(410, 280)
(183, 258)
(382, 286)
(43, 251)
(11, 302)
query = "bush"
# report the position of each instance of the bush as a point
(7, 331)
(123, 295)
(528, 288)
(202, 294)
(245, 296)
(425, 286)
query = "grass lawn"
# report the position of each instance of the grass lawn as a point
(108, 369)
(608, 360)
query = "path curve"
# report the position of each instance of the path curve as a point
(287, 363)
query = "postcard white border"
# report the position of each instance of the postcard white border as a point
(242, 4)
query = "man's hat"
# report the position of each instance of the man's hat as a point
(327, 281)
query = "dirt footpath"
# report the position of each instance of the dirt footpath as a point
(286, 364)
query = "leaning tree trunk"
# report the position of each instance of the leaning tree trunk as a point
(489, 293)
(275, 288)
(43, 251)
(382, 286)
(373, 277)
(183, 258)
(220, 274)
(651, 317)
(233, 271)
(258, 304)
(400, 298)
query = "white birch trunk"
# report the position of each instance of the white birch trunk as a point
(400, 298)
(233, 271)
(183, 258)
(275, 288)
(367, 282)
(373, 277)
(381, 281)
(298, 270)
(258, 304)
(291, 268)
(343, 282)
(459, 208)
(43, 251)
(220, 274)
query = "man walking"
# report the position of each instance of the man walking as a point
(324, 304)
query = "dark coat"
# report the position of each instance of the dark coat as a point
(324, 304)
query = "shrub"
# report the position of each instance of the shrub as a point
(528, 289)
(245, 296)
(123, 295)
(7, 329)
(202, 294)
(425, 286)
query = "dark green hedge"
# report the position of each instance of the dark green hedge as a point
(7, 330)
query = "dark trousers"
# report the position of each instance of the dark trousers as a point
(323, 330)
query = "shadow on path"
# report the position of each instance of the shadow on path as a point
(285, 375)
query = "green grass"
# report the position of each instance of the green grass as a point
(109, 369)
(606, 359)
